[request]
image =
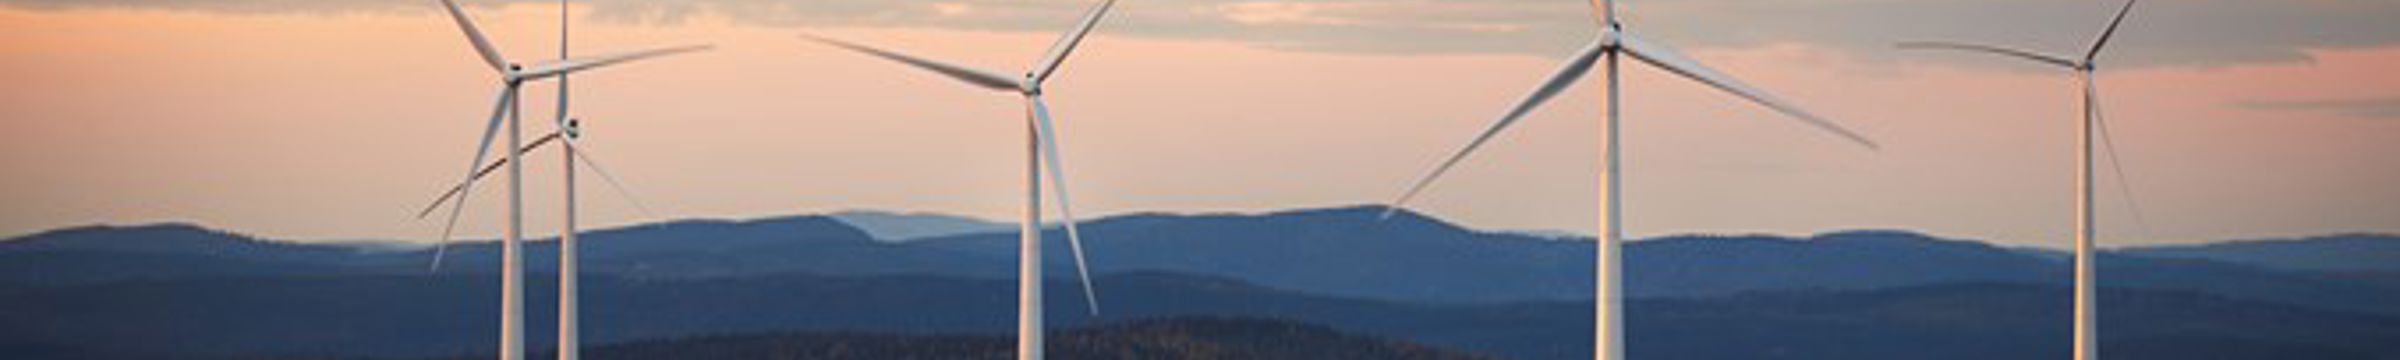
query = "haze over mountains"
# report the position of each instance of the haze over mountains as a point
(185, 290)
(901, 227)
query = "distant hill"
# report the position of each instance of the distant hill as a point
(902, 227)
(2330, 253)
(153, 252)
(169, 238)
(1345, 252)
(180, 290)
(717, 248)
(676, 249)
(1342, 251)
(1350, 252)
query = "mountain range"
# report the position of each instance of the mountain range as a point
(175, 290)
(1334, 251)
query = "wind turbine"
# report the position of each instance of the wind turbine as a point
(2086, 312)
(569, 316)
(513, 76)
(1613, 40)
(1041, 145)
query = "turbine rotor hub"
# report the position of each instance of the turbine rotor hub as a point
(514, 74)
(1610, 36)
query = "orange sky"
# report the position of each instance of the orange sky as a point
(337, 125)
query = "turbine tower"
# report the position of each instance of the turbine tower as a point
(569, 308)
(1608, 321)
(2087, 312)
(512, 77)
(1041, 146)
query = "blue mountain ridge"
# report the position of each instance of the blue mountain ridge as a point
(1344, 251)
(183, 290)
(2354, 252)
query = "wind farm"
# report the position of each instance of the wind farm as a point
(234, 179)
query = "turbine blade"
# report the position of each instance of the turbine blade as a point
(483, 46)
(2091, 94)
(1040, 114)
(563, 67)
(584, 154)
(562, 29)
(1066, 42)
(508, 96)
(2028, 55)
(986, 79)
(2101, 41)
(562, 56)
(561, 120)
(1668, 59)
(1604, 12)
(480, 174)
(1574, 69)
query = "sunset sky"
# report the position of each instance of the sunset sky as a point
(335, 120)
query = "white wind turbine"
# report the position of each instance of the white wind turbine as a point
(2086, 312)
(1041, 146)
(513, 76)
(1608, 322)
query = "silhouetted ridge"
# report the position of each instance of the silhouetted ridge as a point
(1339, 251)
(726, 236)
(1371, 214)
(103, 253)
(1364, 218)
(2355, 252)
(161, 237)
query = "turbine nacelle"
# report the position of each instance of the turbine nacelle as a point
(1029, 86)
(514, 74)
(1611, 36)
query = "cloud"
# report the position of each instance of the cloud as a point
(2372, 108)
(2195, 33)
